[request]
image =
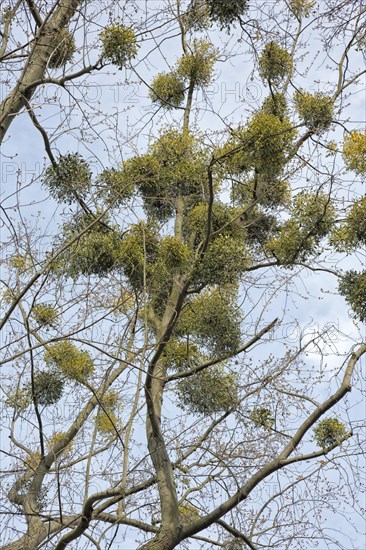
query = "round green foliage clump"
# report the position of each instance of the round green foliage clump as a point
(110, 400)
(301, 8)
(314, 212)
(263, 146)
(259, 226)
(180, 355)
(226, 12)
(316, 110)
(275, 63)
(178, 167)
(176, 164)
(64, 50)
(312, 218)
(269, 140)
(119, 44)
(168, 90)
(329, 432)
(224, 221)
(19, 399)
(356, 222)
(96, 252)
(45, 314)
(353, 287)
(275, 104)
(270, 193)
(107, 422)
(69, 179)
(183, 162)
(352, 233)
(117, 186)
(354, 152)
(71, 361)
(137, 172)
(209, 391)
(196, 17)
(48, 387)
(197, 66)
(212, 320)
(172, 257)
(262, 417)
(224, 261)
(173, 253)
(138, 253)
(56, 438)
(20, 262)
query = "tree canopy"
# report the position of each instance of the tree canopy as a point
(170, 378)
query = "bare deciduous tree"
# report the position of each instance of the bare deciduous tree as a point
(164, 381)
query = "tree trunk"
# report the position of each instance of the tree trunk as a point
(36, 64)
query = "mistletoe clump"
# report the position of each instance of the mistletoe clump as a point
(197, 66)
(227, 256)
(68, 180)
(117, 186)
(312, 218)
(197, 15)
(316, 110)
(354, 152)
(225, 260)
(259, 226)
(173, 253)
(269, 193)
(353, 287)
(180, 168)
(175, 164)
(301, 8)
(97, 250)
(183, 161)
(356, 221)
(56, 438)
(181, 355)
(168, 90)
(107, 422)
(45, 314)
(226, 12)
(329, 432)
(19, 399)
(352, 232)
(138, 253)
(20, 262)
(48, 387)
(262, 417)
(275, 63)
(172, 257)
(275, 104)
(224, 221)
(137, 172)
(119, 44)
(64, 51)
(71, 361)
(263, 145)
(212, 320)
(110, 400)
(210, 391)
(269, 140)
